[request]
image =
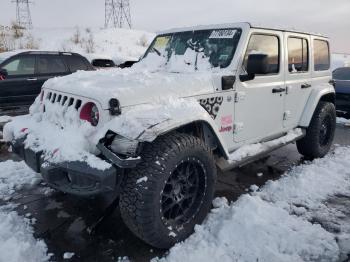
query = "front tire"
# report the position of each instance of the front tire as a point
(171, 191)
(320, 134)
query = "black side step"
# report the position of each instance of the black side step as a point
(226, 165)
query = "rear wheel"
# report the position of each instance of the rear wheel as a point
(320, 134)
(171, 191)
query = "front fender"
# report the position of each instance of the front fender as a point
(146, 122)
(314, 98)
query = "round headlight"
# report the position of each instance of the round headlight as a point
(89, 112)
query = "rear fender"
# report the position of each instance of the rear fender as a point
(325, 92)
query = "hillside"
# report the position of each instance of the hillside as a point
(119, 44)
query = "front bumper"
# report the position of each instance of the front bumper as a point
(76, 178)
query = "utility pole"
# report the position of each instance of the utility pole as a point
(23, 17)
(117, 13)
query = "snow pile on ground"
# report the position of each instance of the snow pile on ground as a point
(13, 176)
(254, 149)
(343, 121)
(17, 242)
(120, 45)
(16, 234)
(273, 224)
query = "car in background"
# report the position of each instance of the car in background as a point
(23, 73)
(107, 62)
(103, 63)
(341, 78)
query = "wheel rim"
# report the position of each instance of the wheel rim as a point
(325, 133)
(183, 193)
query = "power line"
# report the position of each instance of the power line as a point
(117, 13)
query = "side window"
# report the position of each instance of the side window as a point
(321, 55)
(298, 55)
(76, 63)
(51, 65)
(264, 44)
(24, 65)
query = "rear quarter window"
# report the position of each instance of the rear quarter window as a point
(50, 65)
(76, 63)
(321, 55)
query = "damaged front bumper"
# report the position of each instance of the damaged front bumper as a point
(77, 178)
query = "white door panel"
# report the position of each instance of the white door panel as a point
(259, 114)
(298, 82)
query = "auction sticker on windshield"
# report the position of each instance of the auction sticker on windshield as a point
(162, 42)
(226, 33)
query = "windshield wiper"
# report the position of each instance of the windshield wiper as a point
(157, 51)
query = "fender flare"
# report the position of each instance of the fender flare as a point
(170, 125)
(315, 97)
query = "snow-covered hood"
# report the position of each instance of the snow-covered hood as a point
(132, 87)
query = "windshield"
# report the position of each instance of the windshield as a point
(342, 74)
(193, 50)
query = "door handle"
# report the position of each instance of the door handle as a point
(32, 79)
(278, 90)
(304, 86)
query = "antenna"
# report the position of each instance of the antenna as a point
(23, 17)
(117, 13)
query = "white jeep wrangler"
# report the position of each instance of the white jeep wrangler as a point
(200, 99)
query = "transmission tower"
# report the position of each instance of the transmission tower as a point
(117, 13)
(23, 17)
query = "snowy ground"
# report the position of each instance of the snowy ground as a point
(343, 121)
(277, 222)
(302, 216)
(16, 233)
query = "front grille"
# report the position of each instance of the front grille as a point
(63, 100)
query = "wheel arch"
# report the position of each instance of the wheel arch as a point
(326, 94)
(204, 131)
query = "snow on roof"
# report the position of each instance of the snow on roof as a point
(243, 25)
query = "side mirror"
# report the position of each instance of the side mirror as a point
(257, 64)
(3, 72)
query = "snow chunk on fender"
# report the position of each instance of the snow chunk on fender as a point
(146, 122)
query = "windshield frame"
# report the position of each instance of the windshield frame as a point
(238, 36)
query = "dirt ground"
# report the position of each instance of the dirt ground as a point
(64, 222)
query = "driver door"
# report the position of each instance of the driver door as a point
(259, 102)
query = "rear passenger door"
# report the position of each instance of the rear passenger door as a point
(49, 66)
(298, 77)
(20, 86)
(259, 102)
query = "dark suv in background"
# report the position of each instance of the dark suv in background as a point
(341, 77)
(22, 75)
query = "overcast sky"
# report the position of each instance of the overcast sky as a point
(324, 16)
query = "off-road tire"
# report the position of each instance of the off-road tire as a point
(314, 144)
(140, 199)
